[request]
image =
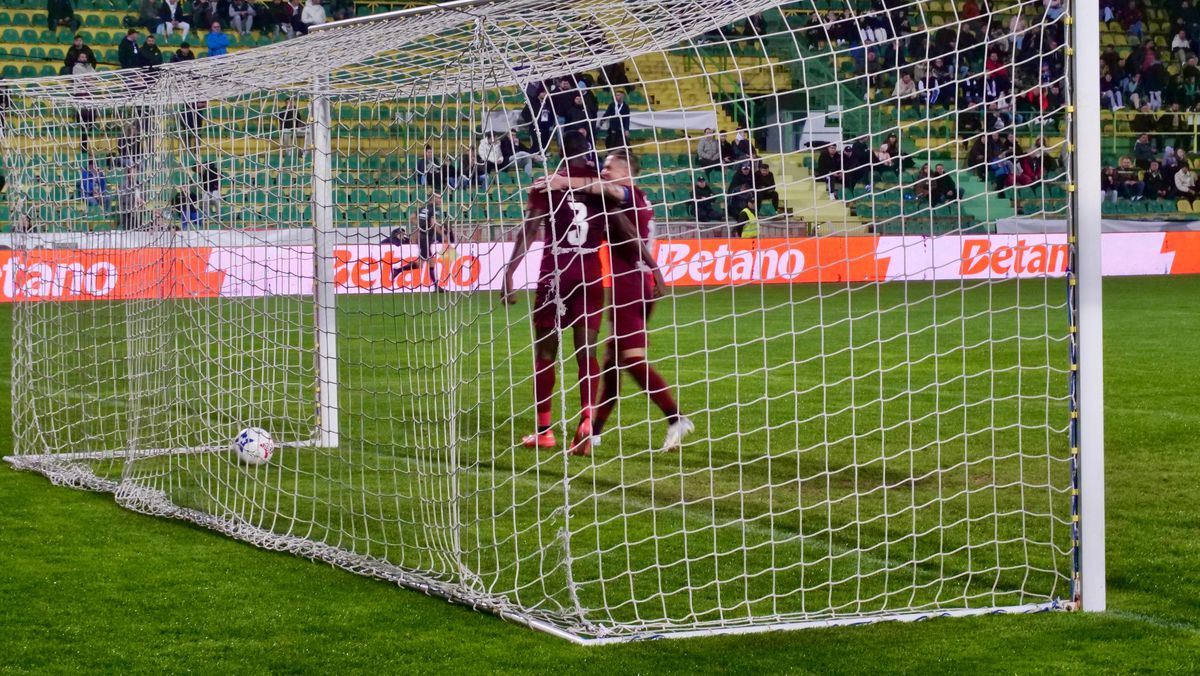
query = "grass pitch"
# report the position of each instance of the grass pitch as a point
(93, 585)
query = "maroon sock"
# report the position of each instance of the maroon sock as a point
(654, 385)
(610, 383)
(589, 384)
(543, 390)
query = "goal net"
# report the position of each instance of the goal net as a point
(862, 212)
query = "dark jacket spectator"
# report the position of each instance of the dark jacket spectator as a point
(61, 13)
(129, 54)
(764, 186)
(942, 189)
(1128, 185)
(77, 48)
(704, 203)
(430, 172)
(151, 54)
(184, 53)
(741, 188)
(617, 116)
(1157, 185)
(829, 167)
(204, 13)
(1143, 152)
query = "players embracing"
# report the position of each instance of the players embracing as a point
(618, 211)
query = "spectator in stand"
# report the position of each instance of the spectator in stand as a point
(728, 150)
(1181, 45)
(829, 168)
(617, 117)
(60, 13)
(764, 186)
(470, 170)
(1029, 169)
(969, 10)
(429, 170)
(184, 203)
(204, 13)
(746, 219)
(884, 161)
(1185, 183)
(82, 65)
(708, 151)
(209, 180)
(341, 9)
(291, 128)
(575, 117)
(241, 16)
(313, 14)
(151, 54)
(704, 203)
(129, 54)
(544, 119)
(490, 152)
(1108, 184)
(216, 40)
(930, 88)
(741, 188)
(1173, 128)
(906, 90)
(77, 47)
(742, 146)
(298, 25)
(184, 53)
(1157, 187)
(1131, 19)
(171, 19)
(1143, 152)
(1128, 185)
(1110, 92)
(148, 17)
(942, 189)
(516, 154)
(1144, 122)
(922, 188)
(93, 187)
(279, 19)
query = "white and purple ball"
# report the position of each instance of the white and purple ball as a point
(254, 446)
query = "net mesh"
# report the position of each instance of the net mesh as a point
(889, 439)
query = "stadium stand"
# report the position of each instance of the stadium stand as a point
(932, 131)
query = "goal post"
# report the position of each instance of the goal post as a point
(1086, 29)
(879, 233)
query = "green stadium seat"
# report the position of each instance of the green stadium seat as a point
(29, 71)
(10, 35)
(92, 20)
(10, 72)
(111, 21)
(19, 19)
(37, 52)
(48, 71)
(30, 36)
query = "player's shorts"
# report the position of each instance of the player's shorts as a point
(561, 303)
(632, 304)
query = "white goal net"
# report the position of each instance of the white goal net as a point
(865, 347)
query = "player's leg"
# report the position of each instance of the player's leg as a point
(610, 385)
(545, 350)
(633, 361)
(630, 318)
(589, 384)
(423, 248)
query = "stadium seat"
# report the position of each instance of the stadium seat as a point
(19, 19)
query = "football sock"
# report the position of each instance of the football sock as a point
(610, 383)
(543, 391)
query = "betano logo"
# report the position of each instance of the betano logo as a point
(689, 262)
(366, 273)
(981, 257)
(58, 280)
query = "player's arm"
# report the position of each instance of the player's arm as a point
(590, 186)
(633, 248)
(534, 219)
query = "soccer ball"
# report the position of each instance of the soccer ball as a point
(254, 445)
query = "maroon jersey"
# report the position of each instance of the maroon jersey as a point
(569, 288)
(574, 232)
(638, 210)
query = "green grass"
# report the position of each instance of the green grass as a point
(88, 584)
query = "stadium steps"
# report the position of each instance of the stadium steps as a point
(808, 199)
